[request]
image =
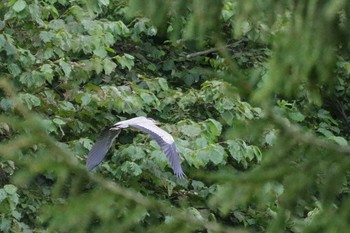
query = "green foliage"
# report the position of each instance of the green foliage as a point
(9, 214)
(255, 94)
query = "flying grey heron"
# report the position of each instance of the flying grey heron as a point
(164, 140)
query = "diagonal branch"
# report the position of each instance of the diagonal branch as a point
(216, 49)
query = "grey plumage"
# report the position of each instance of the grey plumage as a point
(101, 147)
(164, 140)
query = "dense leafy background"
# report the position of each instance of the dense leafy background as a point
(256, 95)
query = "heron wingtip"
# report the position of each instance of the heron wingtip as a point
(180, 175)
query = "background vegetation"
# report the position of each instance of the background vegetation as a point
(255, 93)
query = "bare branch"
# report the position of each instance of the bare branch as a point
(216, 49)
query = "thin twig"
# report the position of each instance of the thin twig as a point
(212, 50)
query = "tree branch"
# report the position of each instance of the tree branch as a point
(212, 50)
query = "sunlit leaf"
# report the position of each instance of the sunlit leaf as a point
(108, 66)
(339, 140)
(270, 137)
(58, 121)
(46, 36)
(30, 100)
(66, 68)
(214, 127)
(217, 154)
(3, 195)
(296, 116)
(14, 69)
(101, 52)
(125, 61)
(10, 189)
(147, 98)
(164, 85)
(191, 130)
(19, 5)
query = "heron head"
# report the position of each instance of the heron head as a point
(154, 121)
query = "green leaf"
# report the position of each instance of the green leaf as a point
(121, 29)
(67, 106)
(10, 189)
(270, 137)
(152, 67)
(215, 127)
(104, 2)
(340, 140)
(125, 61)
(108, 49)
(101, 52)
(191, 130)
(197, 185)
(163, 84)
(235, 150)
(3, 195)
(98, 64)
(170, 185)
(49, 126)
(217, 153)
(257, 153)
(227, 104)
(85, 99)
(6, 104)
(195, 213)
(47, 72)
(4, 128)
(30, 100)
(16, 215)
(14, 69)
(228, 117)
(108, 66)
(33, 79)
(65, 67)
(58, 121)
(2, 41)
(19, 5)
(2, 25)
(152, 31)
(46, 36)
(325, 132)
(133, 152)
(131, 168)
(87, 143)
(296, 116)
(168, 65)
(204, 156)
(169, 220)
(5, 224)
(147, 98)
(140, 26)
(201, 142)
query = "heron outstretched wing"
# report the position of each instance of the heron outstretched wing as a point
(100, 148)
(166, 142)
(164, 139)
